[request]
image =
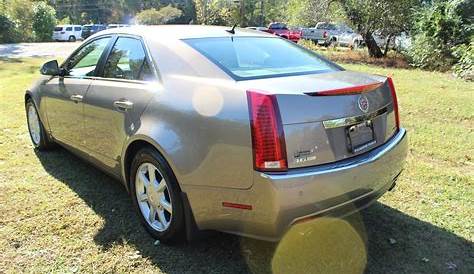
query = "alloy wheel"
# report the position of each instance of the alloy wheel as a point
(153, 197)
(34, 125)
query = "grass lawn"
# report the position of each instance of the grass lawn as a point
(58, 214)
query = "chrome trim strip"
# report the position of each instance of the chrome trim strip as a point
(347, 121)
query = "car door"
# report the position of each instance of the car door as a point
(64, 94)
(115, 101)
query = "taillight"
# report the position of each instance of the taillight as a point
(325, 34)
(346, 91)
(268, 140)
(62, 32)
(395, 101)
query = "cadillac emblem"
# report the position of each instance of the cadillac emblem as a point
(363, 103)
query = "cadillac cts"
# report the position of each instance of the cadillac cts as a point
(211, 128)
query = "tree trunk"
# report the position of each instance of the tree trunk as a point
(387, 45)
(374, 49)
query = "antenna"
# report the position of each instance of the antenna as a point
(232, 31)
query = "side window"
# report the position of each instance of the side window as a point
(69, 29)
(127, 61)
(84, 62)
(77, 28)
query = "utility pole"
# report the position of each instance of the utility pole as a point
(262, 13)
(242, 13)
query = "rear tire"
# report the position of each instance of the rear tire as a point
(156, 196)
(72, 38)
(38, 135)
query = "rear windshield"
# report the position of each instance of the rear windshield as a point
(246, 58)
(58, 28)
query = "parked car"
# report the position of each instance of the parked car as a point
(88, 30)
(348, 38)
(280, 29)
(113, 26)
(399, 43)
(258, 28)
(67, 33)
(208, 129)
(323, 33)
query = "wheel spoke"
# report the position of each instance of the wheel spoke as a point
(151, 173)
(162, 218)
(143, 179)
(161, 186)
(151, 216)
(166, 205)
(143, 197)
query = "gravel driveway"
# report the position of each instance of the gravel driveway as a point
(56, 49)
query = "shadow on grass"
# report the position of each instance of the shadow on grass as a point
(351, 245)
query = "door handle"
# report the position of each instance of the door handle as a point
(76, 98)
(123, 104)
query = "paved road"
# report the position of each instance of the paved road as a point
(55, 49)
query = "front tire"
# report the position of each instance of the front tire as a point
(38, 135)
(156, 196)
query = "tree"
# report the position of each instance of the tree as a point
(7, 29)
(442, 35)
(158, 17)
(308, 13)
(367, 16)
(44, 20)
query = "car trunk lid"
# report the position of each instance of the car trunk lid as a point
(332, 116)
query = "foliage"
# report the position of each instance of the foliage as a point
(8, 32)
(21, 13)
(44, 20)
(367, 16)
(308, 13)
(158, 17)
(213, 12)
(244, 13)
(440, 31)
(464, 68)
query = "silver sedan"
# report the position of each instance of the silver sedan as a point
(212, 128)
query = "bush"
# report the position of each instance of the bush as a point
(439, 29)
(465, 66)
(8, 33)
(44, 20)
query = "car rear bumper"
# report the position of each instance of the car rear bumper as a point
(280, 200)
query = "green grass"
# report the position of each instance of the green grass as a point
(58, 214)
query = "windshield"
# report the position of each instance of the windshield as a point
(246, 58)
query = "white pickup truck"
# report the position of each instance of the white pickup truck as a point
(323, 33)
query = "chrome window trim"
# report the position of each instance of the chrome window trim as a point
(348, 121)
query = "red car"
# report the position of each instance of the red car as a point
(280, 29)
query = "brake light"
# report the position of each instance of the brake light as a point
(62, 32)
(325, 34)
(346, 91)
(395, 101)
(268, 140)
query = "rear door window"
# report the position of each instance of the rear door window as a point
(246, 58)
(69, 29)
(127, 60)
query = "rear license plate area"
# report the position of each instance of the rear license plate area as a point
(360, 136)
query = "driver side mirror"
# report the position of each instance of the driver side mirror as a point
(50, 68)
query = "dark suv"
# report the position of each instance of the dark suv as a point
(88, 30)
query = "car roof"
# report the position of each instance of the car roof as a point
(179, 32)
